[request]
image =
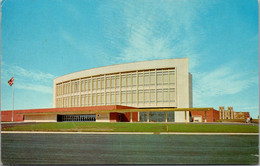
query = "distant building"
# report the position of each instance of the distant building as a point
(231, 114)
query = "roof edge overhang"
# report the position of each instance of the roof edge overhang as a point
(119, 111)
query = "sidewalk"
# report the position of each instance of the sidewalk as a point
(156, 133)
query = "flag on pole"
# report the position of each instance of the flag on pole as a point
(11, 81)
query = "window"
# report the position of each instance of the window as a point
(86, 100)
(159, 95)
(141, 97)
(152, 78)
(134, 80)
(146, 78)
(128, 97)
(172, 77)
(129, 82)
(102, 82)
(94, 99)
(94, 83)
(117, 81)
(107, 82)
(86, 85)
(102, 99)
(159, 78)
(113, 81)
(98, 99)
(82, 86)
(123, 96)
(123, 81)
(172, 95)
(165, 78)
(89, 99)
(113, 98)
(152, 92)
(98, 84)
(108, 98)
(90, 84)
(165, 95)
(146, 96)
(117, 98)
(134, 97)
(140, 79)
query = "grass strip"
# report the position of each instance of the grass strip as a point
(135, 127)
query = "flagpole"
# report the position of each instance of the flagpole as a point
(13, 103)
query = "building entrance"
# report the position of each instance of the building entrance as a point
(76, 118)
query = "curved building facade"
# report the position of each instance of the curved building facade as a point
(148, 84)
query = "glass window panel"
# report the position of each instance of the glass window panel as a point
(117, 98)
(129, 82)
(152, 96)
(76, 86)
(165, 95)
(142, 116)
(172, 77)
(146, 78)
(140, 79)
(102, 99)
(113, 81)
(94, 83)
(146, 96)
(172, 95)
(89, 99)
(159, 95)
(165, 77)
(108, 82)
(134, 80)
(123, 81)
(98, 99)
(117, 81)
(98, 83)
(86, 100)
(86, 85)
(123, 96)
(94, 98)
(134, 98)
(141, 96)
(112, 98)
(159, 78)
(102, 82)
(171, 116)
(152, 78)
(90, 84)
(157, 116)
(128, 97)
(108, 98)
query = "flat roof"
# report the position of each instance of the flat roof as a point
(117, 111)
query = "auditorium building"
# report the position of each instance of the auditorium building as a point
(148, 91)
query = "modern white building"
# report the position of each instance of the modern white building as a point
(149, 84)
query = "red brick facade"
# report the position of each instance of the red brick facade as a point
(211, 115)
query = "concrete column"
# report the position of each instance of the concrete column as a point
(131, 117)
(147, 116)
(185, 116)
(205, 116)
(166, 117)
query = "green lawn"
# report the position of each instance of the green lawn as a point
(135, 127)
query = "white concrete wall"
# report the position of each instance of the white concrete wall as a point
(183, 92)
(103, 117)
(40, 118)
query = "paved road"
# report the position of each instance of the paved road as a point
(128, 149)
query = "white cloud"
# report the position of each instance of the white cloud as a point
(27, 79)
(221, 81)
(152, 30)
(35, 87)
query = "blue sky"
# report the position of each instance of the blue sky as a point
(44, 39)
